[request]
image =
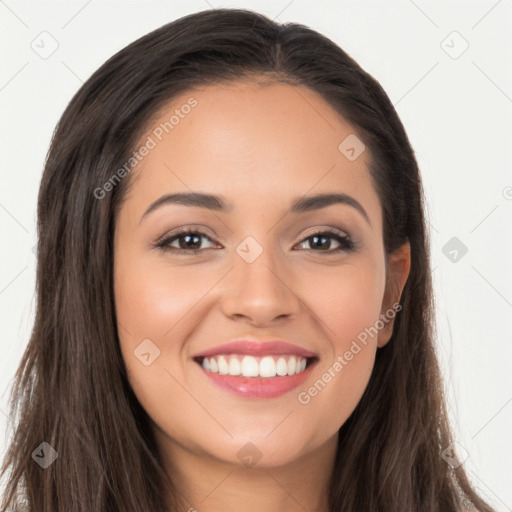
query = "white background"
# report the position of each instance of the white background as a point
(457, 112)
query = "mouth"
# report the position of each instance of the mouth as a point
(257, 370)
(248, 366)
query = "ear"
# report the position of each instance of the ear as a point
(399, 264)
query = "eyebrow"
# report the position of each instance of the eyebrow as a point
(218, 203)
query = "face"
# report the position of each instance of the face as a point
(301, 284)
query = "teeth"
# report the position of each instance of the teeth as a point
(223, 365)
(291, 365)
(267, 367)
(234, 366)
(282, 366)
(250, 366)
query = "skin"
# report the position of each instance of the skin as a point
(260, 147)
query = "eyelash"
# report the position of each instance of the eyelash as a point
(346, 244)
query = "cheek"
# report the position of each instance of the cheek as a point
(346, 312)
(153, 305)
(346, 301)
(161, 304)
(151, 301)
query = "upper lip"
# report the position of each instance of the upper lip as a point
(257, 348)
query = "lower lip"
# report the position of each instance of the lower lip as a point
(259, 387)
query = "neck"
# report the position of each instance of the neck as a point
(209, 485)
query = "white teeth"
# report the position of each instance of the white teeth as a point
(234, 366)
(291, 365)
(267, 367)
(282, 367)
(223, 365)
(250, 366)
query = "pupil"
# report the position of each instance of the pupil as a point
(187, 239)
(316, 244)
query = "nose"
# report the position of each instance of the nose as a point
(260, 292)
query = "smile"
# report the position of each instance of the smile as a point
(250, 366)
(254, 368)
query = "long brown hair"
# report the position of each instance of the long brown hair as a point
(71, 389)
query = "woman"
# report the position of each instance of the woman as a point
(234, 298)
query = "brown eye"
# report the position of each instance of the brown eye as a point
(322, 241)
(183, 242)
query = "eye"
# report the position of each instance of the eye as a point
(186, 241)
(189, 241)
(322, 240)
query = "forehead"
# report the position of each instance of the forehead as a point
(251, 142)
